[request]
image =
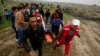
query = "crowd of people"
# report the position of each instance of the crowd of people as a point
(30, 21)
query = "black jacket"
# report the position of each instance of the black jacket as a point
(42, 12)
(35, 36)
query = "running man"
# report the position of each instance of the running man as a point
(67, 34)
(35, 33)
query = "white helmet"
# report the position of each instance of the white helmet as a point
(76, 22)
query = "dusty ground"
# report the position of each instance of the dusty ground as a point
(87, 45)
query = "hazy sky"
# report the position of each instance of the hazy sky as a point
(88, 2)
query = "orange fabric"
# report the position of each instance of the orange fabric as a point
(48, 38)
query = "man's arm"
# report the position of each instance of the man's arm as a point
(62, 23)
(60, 33)
(59, 37)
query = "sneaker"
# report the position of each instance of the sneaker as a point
(20, 46)
(17, 40)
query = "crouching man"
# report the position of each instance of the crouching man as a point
(35, 34)
(67, 34)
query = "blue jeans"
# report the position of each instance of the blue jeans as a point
(13, 27)
(20, 34)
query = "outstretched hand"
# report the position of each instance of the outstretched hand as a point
(55, 45)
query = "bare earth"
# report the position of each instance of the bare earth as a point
(87, 45)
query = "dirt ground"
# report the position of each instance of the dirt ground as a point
(87, 45)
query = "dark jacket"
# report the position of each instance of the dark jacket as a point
(35, 37)
(42, 12)
(0, 19)
(12, 19)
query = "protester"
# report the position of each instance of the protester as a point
(56, 22)
(33, 8)
(35, 33)
(39, 18)
(47, 16)
(7, 12)
(0, 20)
(41, 11)
(28, 9)
(60, 14)
(67, 34)
(53, 15)
(27, 13)
(12, 16)
(19, 24)
(58, 7)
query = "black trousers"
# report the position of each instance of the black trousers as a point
(15, 31)
(55, 30)
(0, 19)
(37, 46)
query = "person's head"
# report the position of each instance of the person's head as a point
(22, 5)
(33, 21)
(56, 11)
(6, 9)
(26, 4)
(56, 16)
(21, 9)
(48, 10)
(75, 23)
(14, 9)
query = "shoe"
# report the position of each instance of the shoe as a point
(16, 40)
(20, 46)
(66, 55)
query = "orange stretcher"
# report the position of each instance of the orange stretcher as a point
(48, 38)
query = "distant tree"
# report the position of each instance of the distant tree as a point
(2, 1)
